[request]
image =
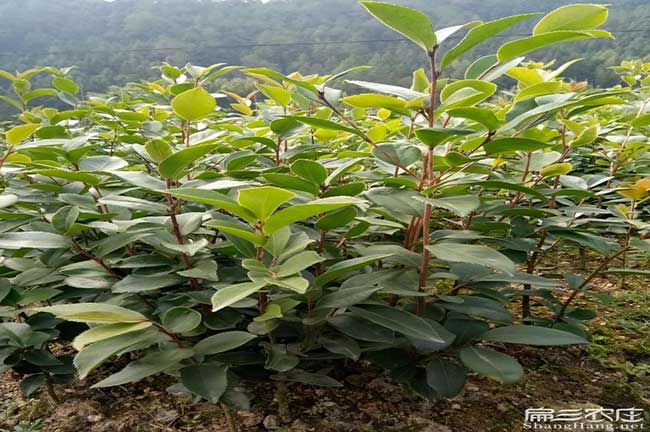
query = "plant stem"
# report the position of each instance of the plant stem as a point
(593, 274)
(230, 418)
(10, 150)
(428, 174)
(77, 248)
(171, 208)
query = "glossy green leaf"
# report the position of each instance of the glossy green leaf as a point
(492, 364)
(481, 255)
(480, 34)
(174, 166)
(572, 17)
(533, 335)
(411, 23)
(209, 380)
(222, 342)
(151, 364)
(194, 104)
(18, 134)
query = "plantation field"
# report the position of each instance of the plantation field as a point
(459, 255)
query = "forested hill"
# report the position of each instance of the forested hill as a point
(116, 42)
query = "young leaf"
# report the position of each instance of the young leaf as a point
(572, 17)
(263, 201)
(479, 34)
(174, 165)
(194, 104)
(519, 47)
(18, 134)
(409, 22)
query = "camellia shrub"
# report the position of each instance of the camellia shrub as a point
(246, 240)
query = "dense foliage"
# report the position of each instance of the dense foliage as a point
(401, 226)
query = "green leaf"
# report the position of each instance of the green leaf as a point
(481, 255)
(188, 248)
(209, 380)
(514, 144)
(347, 266)
(461, 205)
(492, 364)
(263, 201)
(65, 85)
(133, 204)
(102, 332)
(70, 175)
(238, 230)
(572, 17)
(94, 313)
(392, 153)
(152, 363)
(400, 321)
(31, 383)
(233, 293)
(538, 89)
(445, 377)
(299, 212)
(336, 219)
(97, 353)
(532, 335)
(297, 263)
(409, 22)
(341, 344)
(318, 123)
(174, 166)
(435, 136)
(41, 92)
(522, 46)
(194, 104)
(33, 240)
(555, 170)
(222, 342)
(371, 100)
(277, 94)
(181, 319)
(310, 170)
(135, 283)
(272, 311)
(18, 134)
(483, 116)
(215, 199)
(158, 150)
(479, 34)
(116, 241)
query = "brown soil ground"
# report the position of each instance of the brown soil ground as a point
(613, 372)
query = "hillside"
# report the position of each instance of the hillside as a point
(112, 43)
